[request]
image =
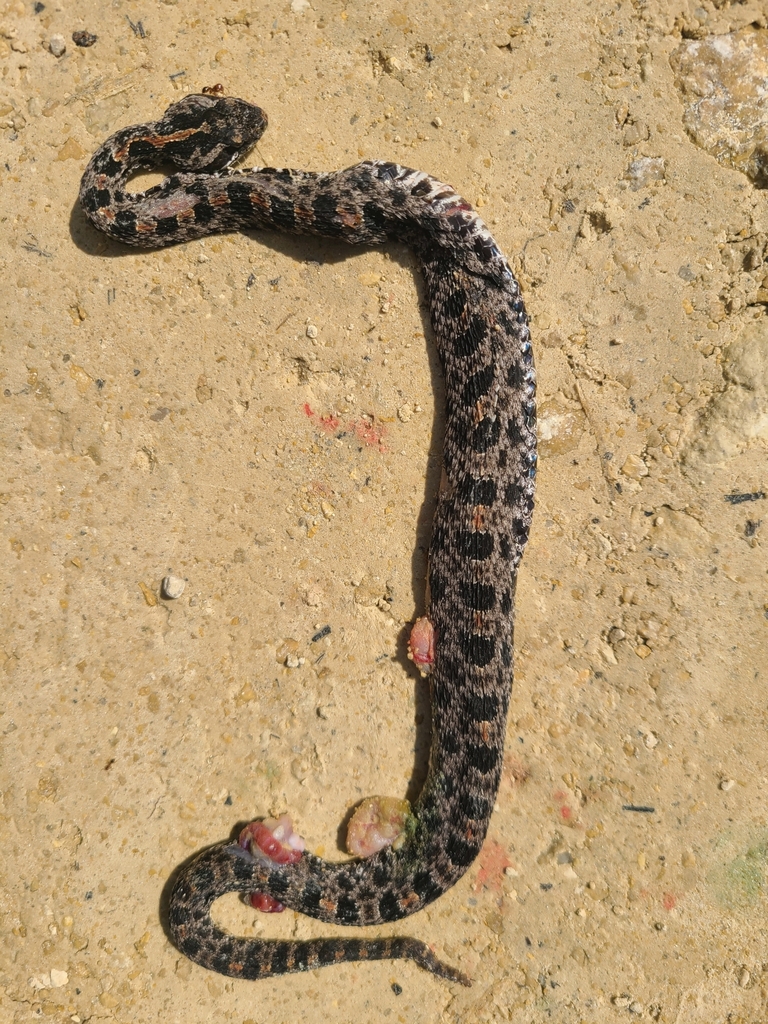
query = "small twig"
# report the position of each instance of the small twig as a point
(136, 27)
(737, 499)
(32, 245)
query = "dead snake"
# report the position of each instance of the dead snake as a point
(480, 527)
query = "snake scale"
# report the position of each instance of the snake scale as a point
(481, 523)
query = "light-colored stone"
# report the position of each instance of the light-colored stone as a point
(57, 45)
(561, 424)
(634, 467)
(739, 414)
(644, 171)
(722, 80)
(173, 587)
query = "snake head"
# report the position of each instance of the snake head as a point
(208, 132)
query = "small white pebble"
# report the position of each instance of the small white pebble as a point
(292, 661)
(511, 872)
(744, 977)
(311, 331)
(651, 740)
(727, 785)
(57, 45)
(59, 978)
(637, 1008)
(622, 1001)
(173, 587)
(437, 122)
(404, 413)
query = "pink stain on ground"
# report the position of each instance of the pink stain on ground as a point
(365, 429)
(669, 901)
(329, 423)
(565, 811)
(370, 433)
(493, 861)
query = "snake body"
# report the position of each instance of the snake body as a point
(480, 528)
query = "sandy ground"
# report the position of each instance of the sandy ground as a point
(170, 412)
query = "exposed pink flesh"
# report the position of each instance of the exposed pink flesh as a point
(379, 821)
(274, 838)
(421, 645)
(271, 841)
(265, 903)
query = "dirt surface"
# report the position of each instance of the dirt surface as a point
(175, 412)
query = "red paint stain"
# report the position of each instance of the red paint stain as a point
(493, 860)
(369, 433)
(566, 812)
(365, 429)
(670, 901)
(330, 423)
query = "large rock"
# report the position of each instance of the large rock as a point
(723, 82)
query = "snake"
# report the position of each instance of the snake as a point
(481, 523)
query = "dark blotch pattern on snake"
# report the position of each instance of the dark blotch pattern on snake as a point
(481, 522)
